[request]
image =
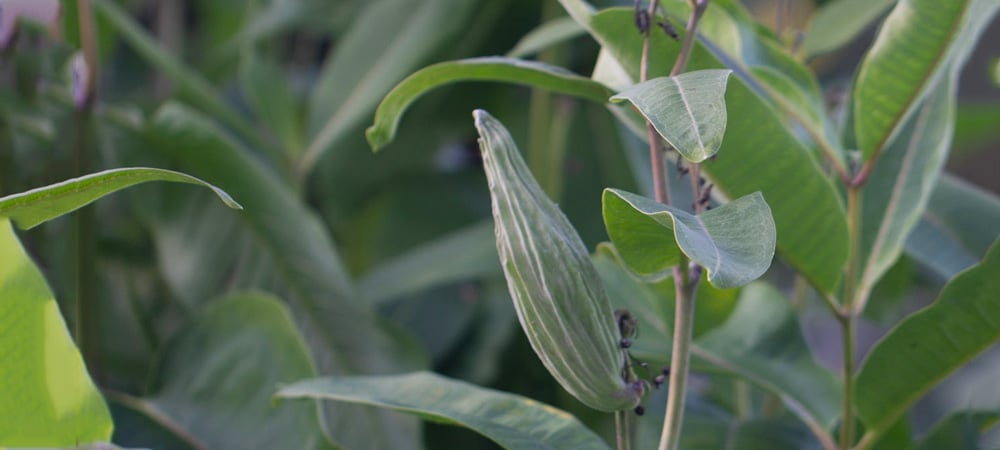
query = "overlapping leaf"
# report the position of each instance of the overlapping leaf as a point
(734, 242)
(759, 152)
(512, 421)
(839, 22)
(688, 110)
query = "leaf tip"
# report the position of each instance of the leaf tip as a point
(376, 138)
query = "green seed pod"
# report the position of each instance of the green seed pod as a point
(560, 300)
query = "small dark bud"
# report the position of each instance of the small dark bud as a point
(659, 380)
(642, 20)
(668, 28)
(639, 410)
(665, 371)
(626, 343)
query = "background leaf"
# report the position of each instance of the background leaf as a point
(734, 242)
(929, 345)
(512, 421)
(33, 207)
(216, 379)
(47, 399)
(688, 110)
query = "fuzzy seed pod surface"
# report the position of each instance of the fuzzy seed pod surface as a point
(560, 300)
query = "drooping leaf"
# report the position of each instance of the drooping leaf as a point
(734, 242)
(512, 421)
(900, 184)
(958, 226)
(462, 255)
(758, 154)
(550, 33)
(688, 110)
(509, 70)
(762, 341)
(33, 207)
(368, 61)
(47, 399)
(217, 378)
(839, 22)
(930, 344)
(919, 41)
(343, 333)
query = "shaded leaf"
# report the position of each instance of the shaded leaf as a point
(900, 184)
(343, 334)
(930, 344)
(462, 255)
(688, 110)
(734, 242)
(839, 22)
(550, 33)
(267, 90)
(195, 89)
(33, 207)
(368, 61)
(512, 421)
(762, 342)
(510, 70)
(960, 430)
(217, 377)
(47, 399)
(957, 228)
(758, 154)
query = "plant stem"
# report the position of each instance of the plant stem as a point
(847, 425)
(87, 318)
(848, 316)
(622, 433)
(690, 34)
(680, 358)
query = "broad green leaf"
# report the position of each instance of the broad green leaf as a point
(509, 70)
(688, 110)
(839, 22)
(918, 42)
(47, 399)
(762, 342)
(512, 421)
(957, 228)
(462, 255)
(196, 89)
(546, 35)
(930, 344)
(760, 153)
(901, 182)
(343, 333)
(33, 207)
(368, 61)
(216, 379)
(734, 242)
(959, 431)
